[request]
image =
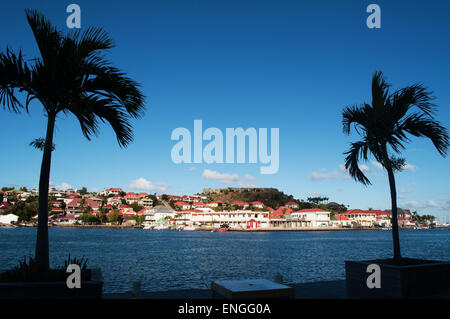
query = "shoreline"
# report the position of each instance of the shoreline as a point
(208, 229)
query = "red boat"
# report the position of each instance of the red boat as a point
(222, 229)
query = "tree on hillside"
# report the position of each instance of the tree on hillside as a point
(317, 200)
(384, 127)
(71, 76)
(83, 191)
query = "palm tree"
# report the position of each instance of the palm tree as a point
(71, 76)
(385, 126)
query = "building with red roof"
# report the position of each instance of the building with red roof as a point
(182, 205)
(315, 216)
(113, 191)
(292, 205)
(198, 205)
(216, 203)
(239, 203)
(257, 204)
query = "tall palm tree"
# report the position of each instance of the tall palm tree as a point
(71, 76)
(385, 126)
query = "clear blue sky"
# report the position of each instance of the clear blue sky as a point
(291, 65)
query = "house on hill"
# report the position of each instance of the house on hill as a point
(257, 204)
(182, 205)
(239, 203)
(292, 205)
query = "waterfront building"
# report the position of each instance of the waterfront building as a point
(361, 218)
(237, 219)
(340, 221)
(8, 219)
(315, 216)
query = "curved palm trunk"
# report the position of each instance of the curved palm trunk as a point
(395, 236)
(42, 251)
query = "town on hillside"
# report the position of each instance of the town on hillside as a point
(115, 208)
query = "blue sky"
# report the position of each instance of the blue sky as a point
(291, 65)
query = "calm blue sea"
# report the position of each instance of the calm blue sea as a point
(164, 260)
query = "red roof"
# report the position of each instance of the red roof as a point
(181, 204)
(199, 204)
(338, 217)
(88, 203)
(273, 216)
(194, 211)
(283, 210)
(127, 211)
(372, 212)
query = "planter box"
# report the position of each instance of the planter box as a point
(90, 289)
(414, 281)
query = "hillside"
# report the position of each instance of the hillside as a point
(271, 197)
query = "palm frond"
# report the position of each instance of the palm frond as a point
(115, 85)
(72, 76)
(380, 90)
(47, 37)
(415, 95)
(357, 115)
(14, 75)
(357, 151)
(422, 126)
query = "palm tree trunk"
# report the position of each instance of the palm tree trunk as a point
(42, 252)
(395, 236)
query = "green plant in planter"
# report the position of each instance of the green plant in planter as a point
(28, 271)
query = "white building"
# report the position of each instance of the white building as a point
(146, 202)
(109, 191)
(7, 219)
(239, 219)
(316, 216)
